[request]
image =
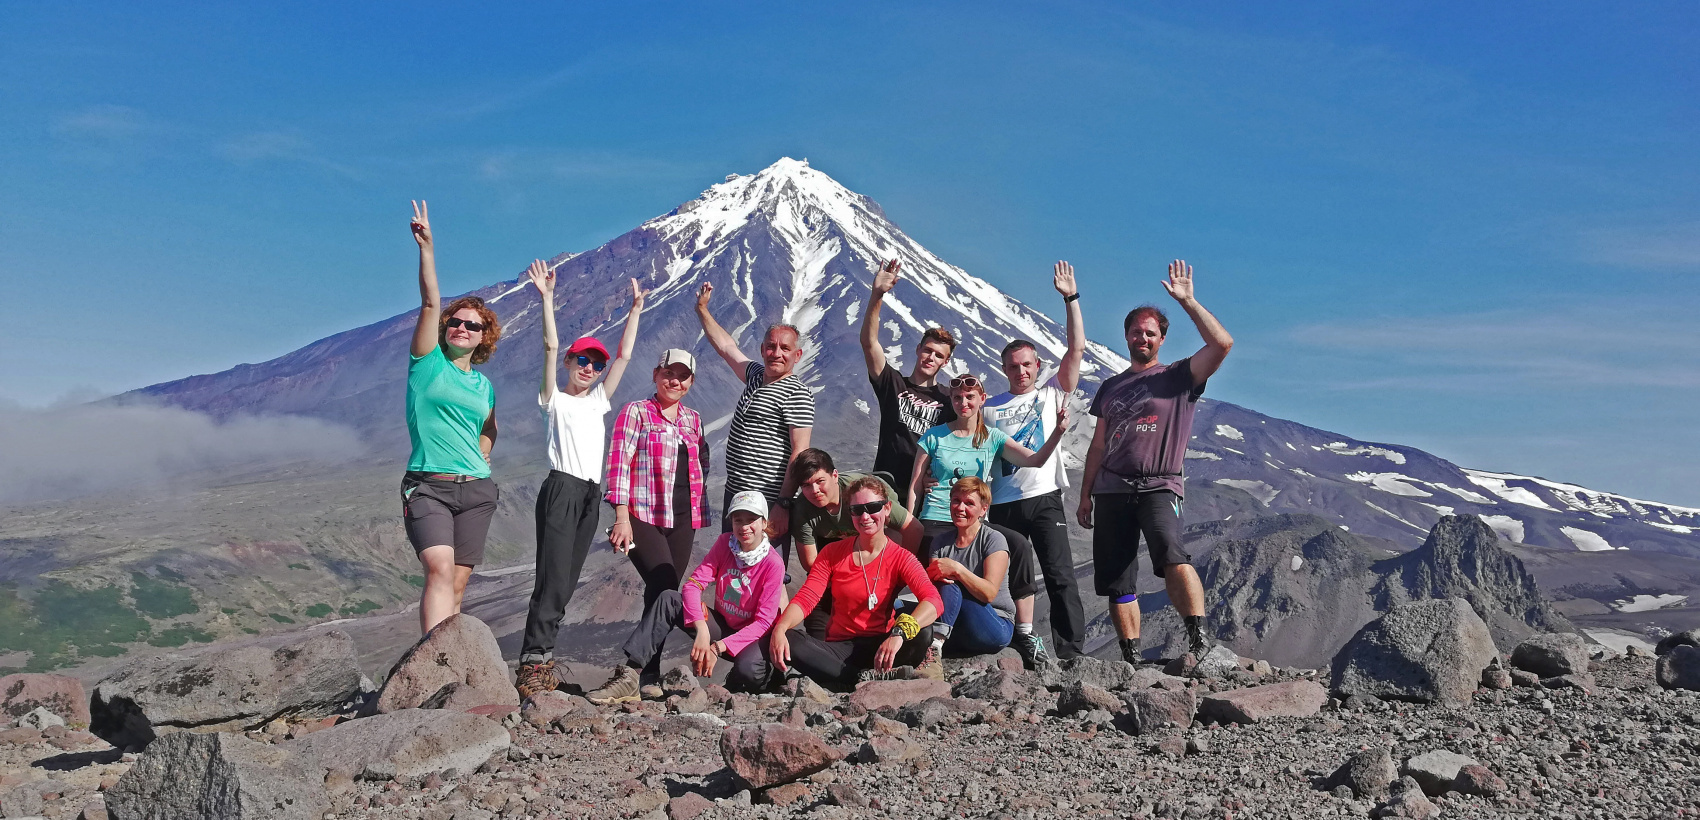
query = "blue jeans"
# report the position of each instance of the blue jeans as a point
(968, 626)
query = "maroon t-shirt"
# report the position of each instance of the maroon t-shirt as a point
(1149, 421)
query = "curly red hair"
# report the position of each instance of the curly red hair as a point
(492, 327)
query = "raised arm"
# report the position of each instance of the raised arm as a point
(884, 280)
(1089, 475)
(1217, 342)
(628, 340)
(544, 280)
(1068, 370)
(1015, 453)
(718, 338)
(430, 303)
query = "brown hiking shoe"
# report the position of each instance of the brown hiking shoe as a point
(534, 678)
(621, 688)
(931, 667)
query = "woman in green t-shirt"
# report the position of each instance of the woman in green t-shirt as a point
(447, 494)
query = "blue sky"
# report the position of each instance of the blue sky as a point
(1473, 230)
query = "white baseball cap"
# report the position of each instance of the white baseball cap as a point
(748, 501)
(677, 356)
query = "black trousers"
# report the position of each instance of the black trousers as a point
(1042, 520)
(835, 664)
(662, 556)
(567, 511)
(750, 668)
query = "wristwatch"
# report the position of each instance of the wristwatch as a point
(784, 503)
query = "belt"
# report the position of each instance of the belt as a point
(458, 479)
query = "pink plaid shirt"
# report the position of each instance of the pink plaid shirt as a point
(643, 457)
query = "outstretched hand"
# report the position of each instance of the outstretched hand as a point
(541, 277)
(1179, 284)
(886, 277)
(1063, 280)
(638, 294)
(703, 293)
(421, 224)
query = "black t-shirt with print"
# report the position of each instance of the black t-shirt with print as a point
(906, 411)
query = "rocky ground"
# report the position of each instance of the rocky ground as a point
(1626, 749)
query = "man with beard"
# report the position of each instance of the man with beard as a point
(1133, 482)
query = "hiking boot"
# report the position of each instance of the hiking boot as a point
(1130, 652)
(535, 678)
(621, 688)
(1031, 648)
(1196, 643)
(931, 667)
(894, 673)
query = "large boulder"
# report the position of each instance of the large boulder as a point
(189, 776)
(768, 754)
(1674, 640)
(998, 685)
(229, 690)
(1299, 698)
(1424, 651)
(1552, 654)
(1110, 675)
(1436, 771)
(409, 743)
(1679, 668)
(453, 666)
(63, 696)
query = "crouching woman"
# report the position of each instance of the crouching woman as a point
(865, 637)
(748, 583)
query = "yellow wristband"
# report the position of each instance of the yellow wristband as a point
(907, 625)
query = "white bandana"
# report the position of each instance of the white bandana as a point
(749, 558)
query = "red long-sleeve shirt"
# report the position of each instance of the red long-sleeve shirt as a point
(892, 570)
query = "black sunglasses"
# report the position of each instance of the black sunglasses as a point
(869, 508)
(595, 364)
(475, 327)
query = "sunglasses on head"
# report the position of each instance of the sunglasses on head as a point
(965, 381)
(475, 327)
(869, 508)
(595, 364)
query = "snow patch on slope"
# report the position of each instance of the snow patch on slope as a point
(1508, 528)
(1586, 541)
(1394, 483)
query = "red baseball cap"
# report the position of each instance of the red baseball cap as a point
(585, 343)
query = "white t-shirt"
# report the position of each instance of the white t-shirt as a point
(1028, 419)
(577, 432)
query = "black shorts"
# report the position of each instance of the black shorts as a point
(1118, 520)
(440, 512)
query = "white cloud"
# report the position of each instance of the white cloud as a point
(101, 122)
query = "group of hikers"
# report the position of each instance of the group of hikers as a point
(938, 549)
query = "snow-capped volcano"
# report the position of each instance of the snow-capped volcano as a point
(789, 244)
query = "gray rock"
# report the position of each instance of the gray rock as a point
(1151, 709)
(1669, 642)
(188, 776)
(998, 685)
(680, 680)
(460, 654)
(1216, 663)
(21, 801)
(1407, 801)
(1108, 675)
(409, 743)
(1679, 668)
(1436, 771)
(40, 718)
(929, 712)
(1552, 654)
(1368, 773)
(1426, 651)
(232, 689)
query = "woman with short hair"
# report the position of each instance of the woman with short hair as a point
(970, 567)
(865, 638)
(447, 494)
